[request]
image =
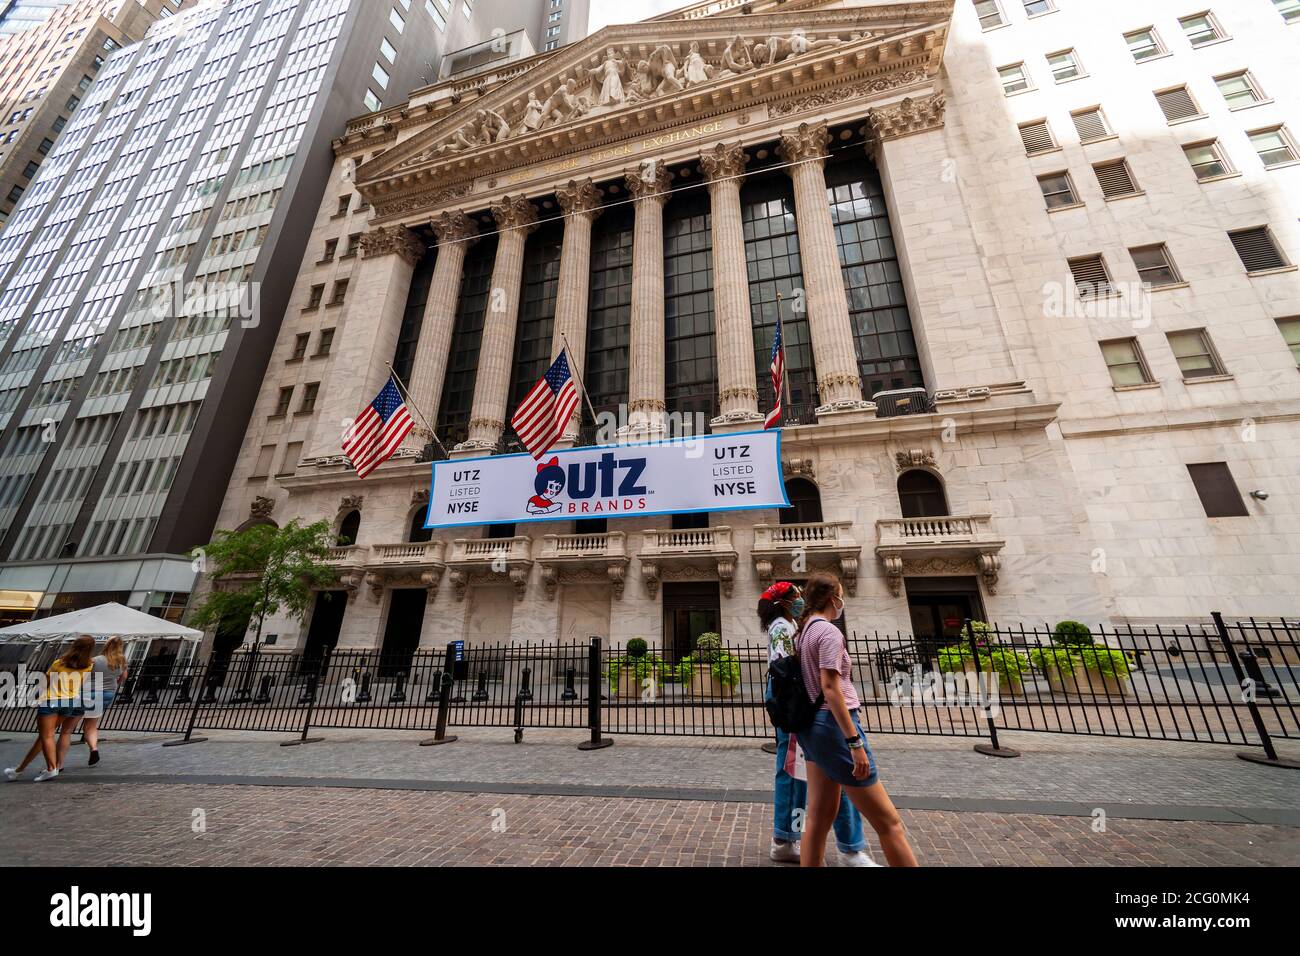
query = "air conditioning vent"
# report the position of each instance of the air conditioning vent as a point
(902, 401)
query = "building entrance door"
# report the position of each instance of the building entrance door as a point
(402, 632)
(939, 607)
(326, 625)
(689, 611)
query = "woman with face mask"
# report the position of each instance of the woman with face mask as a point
(778, 609)
(840, 765)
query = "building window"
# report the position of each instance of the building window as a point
(1064, 65)
(15, 194)
(805, 503)
(920, 495)
(1058, 190)
(1201, 28)
(292, 455)
(380, 76)
(282, 404)
(262, 466)
(1217, 490)
(990, 14)
(1036, 8)
(1144, 44)
(396, 20)
(1090, 276)
(1125, 363)
(1091, 125)
(1275, 146)
(340, 292)
(1155, 266)
(331, 247)
(1290, 329)
(345, 203)
(300, 347)
(534, 328)
(1116, 179)
(1239, 90)
(1290, 9)
(317, 293)
(324, 343)
(1258, 251)
(387, 50)
(1195, 354)
(1177, 104)
(1037, 137)
(1014, 78)
(1208, 160)
(349, 528)
(31, 169)
(691, 382)
(46, 145)
(309, 394)
(372, 102)
(467, 331)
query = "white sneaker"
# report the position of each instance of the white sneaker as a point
(857, 858)
(784, 852)
(11, 774)
(46, 775)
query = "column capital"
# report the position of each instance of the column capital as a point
(912, 115)
(809, 141)
(515, 212)
(580, 199)
(723, 161)
(649, 181)
(392, 240)
(455, 227)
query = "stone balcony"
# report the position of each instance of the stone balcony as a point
(795, 549)
(949, 544)
(485, 560)
(416, 564)
(584, 559)
(349, 563)
(682, 554)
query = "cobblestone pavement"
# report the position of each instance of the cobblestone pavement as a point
(1071, 774)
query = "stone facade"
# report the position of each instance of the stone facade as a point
(1067, 495)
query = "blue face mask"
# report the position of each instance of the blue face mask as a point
(797, 607)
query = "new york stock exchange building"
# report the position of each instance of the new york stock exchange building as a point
(1013, 391)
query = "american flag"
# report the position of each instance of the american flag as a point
(778, 379)
(540, 419)
(377, 432)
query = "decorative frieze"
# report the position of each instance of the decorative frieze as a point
(912, 115)
(392, 240)
(261, 508)
(914, 458)
(824, 99)
(422, 200)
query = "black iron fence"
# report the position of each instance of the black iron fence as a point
(1230, 683)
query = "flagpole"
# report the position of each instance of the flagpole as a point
(578, 378)
(401, 387)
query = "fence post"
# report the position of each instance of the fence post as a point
(1270, 757)
(444, 700)
(189, 737)
(990, 749)
(313, 681)
(593, 699)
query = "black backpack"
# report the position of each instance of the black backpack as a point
(788, 707)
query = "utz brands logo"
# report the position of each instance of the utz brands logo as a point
(76, 909)
(600, 487)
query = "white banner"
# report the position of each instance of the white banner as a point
(706, 473)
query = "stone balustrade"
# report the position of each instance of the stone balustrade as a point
(942, 544)
(584, 558)
(796, 549)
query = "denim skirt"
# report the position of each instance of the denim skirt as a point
(823, 744)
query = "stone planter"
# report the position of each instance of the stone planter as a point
(628, 685)
(1061, 680)
(1093, 682)
(704, 684)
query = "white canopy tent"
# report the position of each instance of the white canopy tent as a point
(137, 629)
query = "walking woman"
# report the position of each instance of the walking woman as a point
(839, 760)
(60, 710)
(778, 608)
(108, 670)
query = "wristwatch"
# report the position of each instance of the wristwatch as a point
(854, 742)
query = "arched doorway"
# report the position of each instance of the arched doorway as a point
(805, 503)
(921, 495)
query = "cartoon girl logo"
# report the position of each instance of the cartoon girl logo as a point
(548, 484)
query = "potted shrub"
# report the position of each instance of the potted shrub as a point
(1106, 670)
(710, 671)
(1072, 634)
(1010, 665)
(1058, 665)
(628, 673)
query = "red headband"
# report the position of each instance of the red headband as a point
(778, 591)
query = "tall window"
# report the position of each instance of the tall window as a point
(691, 373)
(920, 495)
(349, 527)
(772, 258)
(882, 328)
(408, 337)
(805, 503)
(462, 363)
(609, 311)
(536, 325)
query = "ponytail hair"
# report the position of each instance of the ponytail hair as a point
(817, 594)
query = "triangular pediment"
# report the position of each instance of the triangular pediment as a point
(626, 80)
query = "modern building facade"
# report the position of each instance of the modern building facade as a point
(1072, 225)
(145, 274)
(50, 53)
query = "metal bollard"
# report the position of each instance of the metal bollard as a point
(264, 690)
(525, 684)
(398, 696)
(481, 692)
(435, 688)
(184, 697)
(363, 695)
(570, 693)
(151, 695)
(1263, 688)
(309, 692)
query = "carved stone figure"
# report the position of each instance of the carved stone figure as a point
(663, 70)
(562, 105)
(737, 57)
(611, 75)
(696, 71)
(495, 127)
(532, 120)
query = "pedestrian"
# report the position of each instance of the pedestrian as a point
(108, 671)
(60, 709)
(839, 761)
(778, 609)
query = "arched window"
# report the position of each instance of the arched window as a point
(805, 503)
(348, 528)
(921, 495)
(418, 533)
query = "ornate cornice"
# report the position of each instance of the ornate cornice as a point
(838, 94)
(723, 161)
(580, 199)
(810, 141)
(912, 115)
(649, 181)
(515, 212)
(455, 227)
(422, 200)
(392, 240)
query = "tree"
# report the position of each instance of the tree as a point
(263, 570)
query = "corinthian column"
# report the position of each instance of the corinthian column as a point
(517, 217)
(456, 232)
(723, 165)
(372, 322)
(581, 204)
(838, 384)
(648, 187)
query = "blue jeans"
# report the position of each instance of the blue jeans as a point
(792, 794)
